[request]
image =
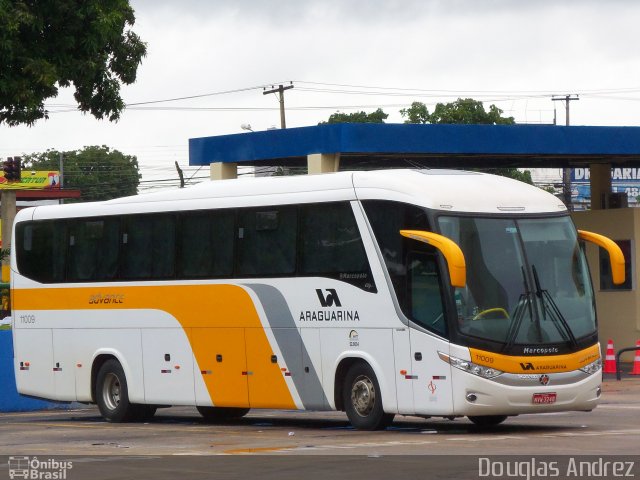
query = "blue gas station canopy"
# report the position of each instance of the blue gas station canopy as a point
(394, 145)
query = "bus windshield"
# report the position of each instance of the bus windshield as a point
(527, 280)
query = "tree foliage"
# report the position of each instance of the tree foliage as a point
(462, 111)
(416, 113)
(47, 44)
(357, 117)
(98, 172)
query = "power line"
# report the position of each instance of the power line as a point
(544, 93)
(352, 89)
(202, 95)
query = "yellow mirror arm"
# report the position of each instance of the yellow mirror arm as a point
(450, 250)
(616, 257)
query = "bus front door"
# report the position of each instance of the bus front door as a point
(432, 394)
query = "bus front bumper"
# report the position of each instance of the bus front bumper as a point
(511, 394)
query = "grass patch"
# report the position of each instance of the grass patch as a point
(5, 327)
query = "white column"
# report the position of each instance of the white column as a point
(223, 171)
(323, 163)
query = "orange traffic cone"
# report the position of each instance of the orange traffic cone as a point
(610, 359)
(636, 361)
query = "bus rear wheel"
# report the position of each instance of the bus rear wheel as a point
(221, 414)
(488, 420)
(112, 394)
(362, 399)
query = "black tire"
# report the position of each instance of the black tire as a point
(488, 420)
(112, 394)
(362, 399)
(222, 414)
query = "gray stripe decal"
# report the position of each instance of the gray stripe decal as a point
(282, 325)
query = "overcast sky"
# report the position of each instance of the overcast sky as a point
(513, 53)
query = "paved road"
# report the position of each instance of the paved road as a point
(612, 429)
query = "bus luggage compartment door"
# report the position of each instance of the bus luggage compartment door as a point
(33, 356)
(168, 366)
(64, 363)
(222, 363)
(270, 371)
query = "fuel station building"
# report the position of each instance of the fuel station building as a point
(333, 147)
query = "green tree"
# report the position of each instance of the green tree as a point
(416, 113)
(469, 111)
(466, 111)
(98, 172)
(357, 117)
(47, 44)
(462, 111)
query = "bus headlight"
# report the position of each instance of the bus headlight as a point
(593, 367)
(470, 367)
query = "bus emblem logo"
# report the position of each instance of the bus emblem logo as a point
(330, 299)
(544, 379)
(527, 366)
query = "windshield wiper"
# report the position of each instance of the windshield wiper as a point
(550, 307)
(524, 302)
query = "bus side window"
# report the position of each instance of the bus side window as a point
(410, 273)
(148, 247)
(41, 250)
(425, 292)
(207, 244)
(330, 240)
(93, 249)
(267, 241)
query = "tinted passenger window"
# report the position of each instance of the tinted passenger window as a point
(387, 219)
(41, 250)
(410, 272)
(330, 240)
(425, 292)
(267, 241)
(207, 245)
(93, 249)
(148, 247)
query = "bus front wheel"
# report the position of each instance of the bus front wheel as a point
(362, 399)
(112, 394)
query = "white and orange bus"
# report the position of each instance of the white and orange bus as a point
(410, 292)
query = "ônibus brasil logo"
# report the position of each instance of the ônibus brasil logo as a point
(33, 468)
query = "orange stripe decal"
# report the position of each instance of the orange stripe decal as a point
(542, 364)
(221, 322)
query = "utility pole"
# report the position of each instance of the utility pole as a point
(61, 176)
(566, 172)
(180, 174)
(280, 91)
(12, 168)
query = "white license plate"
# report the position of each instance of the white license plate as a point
(544, 398)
